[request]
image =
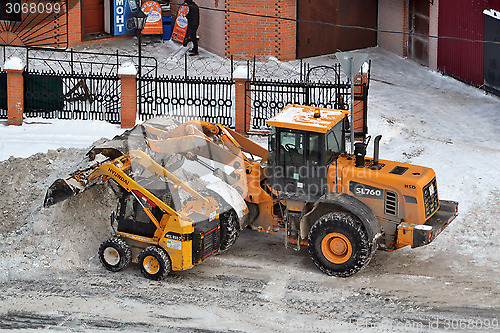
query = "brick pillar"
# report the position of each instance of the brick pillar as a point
(15, 91)
(128, 110)
(242, 122)
(359, 105)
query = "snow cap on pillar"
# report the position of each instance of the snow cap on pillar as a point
(14, 63)
(127, 68)
(240, 72)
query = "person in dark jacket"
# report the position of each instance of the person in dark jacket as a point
(193, 18)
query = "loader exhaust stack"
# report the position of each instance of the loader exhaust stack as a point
(376, 151)
(360, 152)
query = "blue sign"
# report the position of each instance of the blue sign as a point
(123, 14)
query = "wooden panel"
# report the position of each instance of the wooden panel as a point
(93, 16)
(317, 39)
(418, 42)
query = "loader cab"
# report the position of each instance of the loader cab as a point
(303, 142)
(131, 216)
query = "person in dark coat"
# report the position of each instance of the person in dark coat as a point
(193, 18)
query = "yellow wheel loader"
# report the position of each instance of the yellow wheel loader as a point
(151, 226)
(342, 206)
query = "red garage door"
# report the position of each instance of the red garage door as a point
(315, 39)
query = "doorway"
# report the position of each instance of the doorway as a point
(418, 40)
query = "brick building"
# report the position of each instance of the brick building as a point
(288, 29)
(40, 23)
(229, 27)
(463, 20)
(231, 32)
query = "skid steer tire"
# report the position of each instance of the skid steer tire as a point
(229, 223)
(339, 244)
(155, 263)
(115, 254)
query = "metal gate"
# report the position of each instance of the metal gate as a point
(184, 98)
(418, 41)
(72, 96)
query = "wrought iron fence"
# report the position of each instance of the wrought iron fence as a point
(3, 95)
(208, 99)
(72, 96)
(266, 98)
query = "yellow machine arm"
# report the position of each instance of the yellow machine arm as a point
(62, 189)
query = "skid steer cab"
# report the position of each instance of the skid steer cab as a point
(152, 226)
(344, 206)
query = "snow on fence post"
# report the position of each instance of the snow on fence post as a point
(242, 121)
(14, 67)
(128, 82)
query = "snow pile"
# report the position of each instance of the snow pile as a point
(63, 236)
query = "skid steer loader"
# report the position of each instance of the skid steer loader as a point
(342, 206)
(152, 226)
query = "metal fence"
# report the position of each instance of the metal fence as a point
(3, 95)
(265, 98)
(184, 98)
(72, 96)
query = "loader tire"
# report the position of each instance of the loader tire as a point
(339, 244)
(115, 254)
(155, 263)
(229, 223)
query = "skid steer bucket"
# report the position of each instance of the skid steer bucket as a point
(61, 190)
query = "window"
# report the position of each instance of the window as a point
(292, 148)
(334, 141)
(314, 150)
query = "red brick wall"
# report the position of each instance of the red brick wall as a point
(39, 27)
(287, 30)
(75, 23)
(247, 36)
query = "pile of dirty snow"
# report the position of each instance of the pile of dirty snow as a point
(65, 235)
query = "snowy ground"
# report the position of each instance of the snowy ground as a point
(51, 277)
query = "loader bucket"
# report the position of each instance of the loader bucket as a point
(61, 190)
